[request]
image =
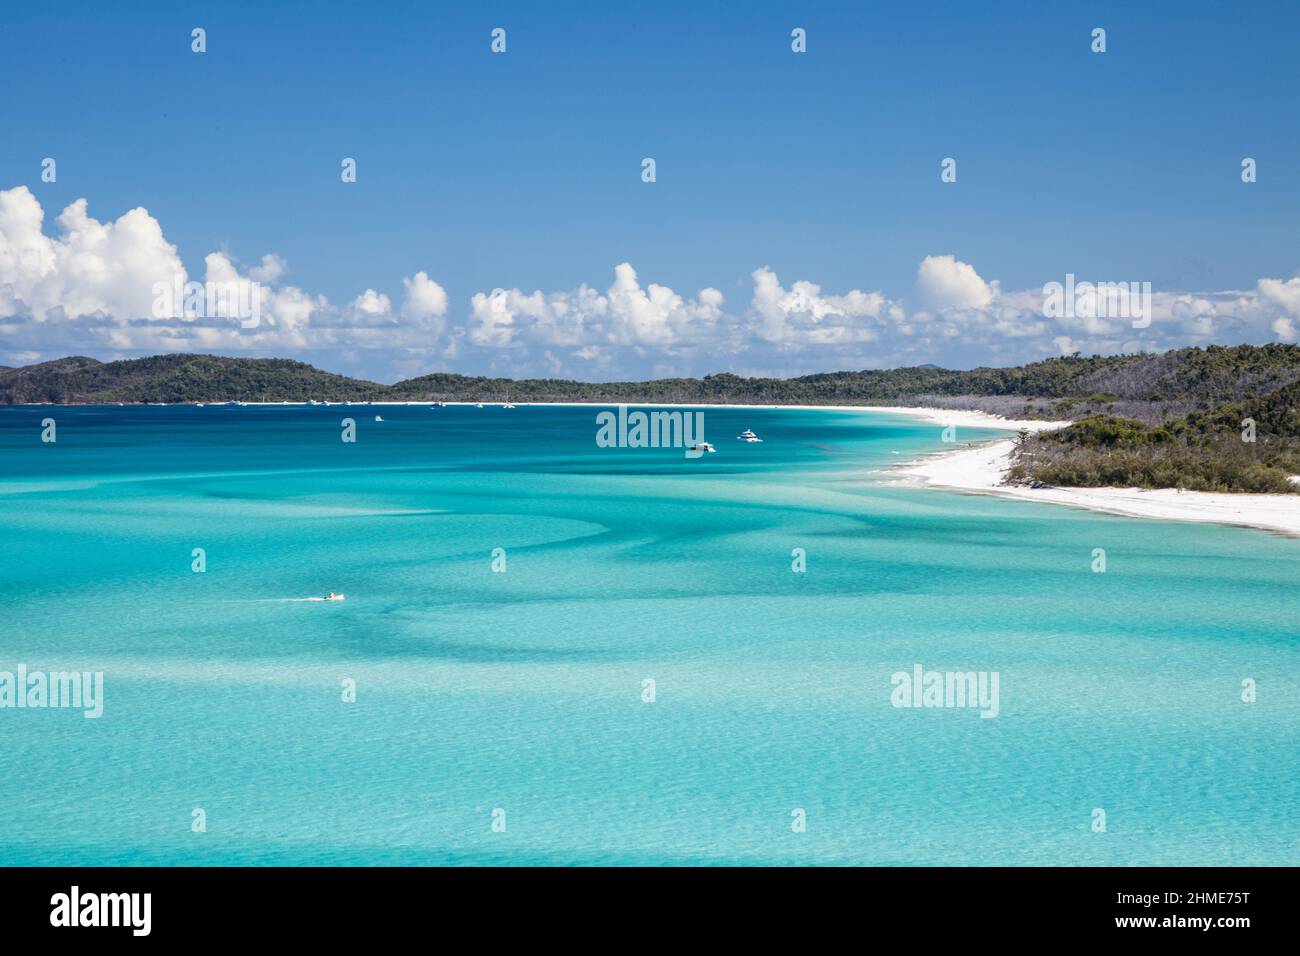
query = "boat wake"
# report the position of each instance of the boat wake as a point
(299, 600)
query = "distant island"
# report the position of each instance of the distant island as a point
(1206, 419)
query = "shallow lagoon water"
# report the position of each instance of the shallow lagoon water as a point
(523, 690)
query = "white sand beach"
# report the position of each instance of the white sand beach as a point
(982, 468)
(962, 418)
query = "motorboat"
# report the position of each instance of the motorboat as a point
(748, 436)
(703, 446)
(333, 597)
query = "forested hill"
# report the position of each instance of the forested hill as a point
(1158, 421)
(175, 378)
(1146, 387)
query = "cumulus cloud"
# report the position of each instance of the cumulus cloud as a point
(89, 287)
(270, 270)
(89, 268)
(626, 314)
(119, 288)
(1284, 295)
(803, 315)
(425, 299)
(943, 282)
(372, 303)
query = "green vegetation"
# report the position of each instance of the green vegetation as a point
(176, 378)
(1157, 421)
(1185, 380)
(1217, 450)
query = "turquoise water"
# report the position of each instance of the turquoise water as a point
(522, 690)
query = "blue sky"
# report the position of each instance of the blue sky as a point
(522, 171)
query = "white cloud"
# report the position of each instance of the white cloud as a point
(90, 267)
(371, 302)
(271, 269)
(92, 289)
(89, 289)
(625, 315)
(804, 315)
(1284, 295)
(425, 299)
(943, 282)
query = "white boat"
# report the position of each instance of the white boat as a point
(507, 405)
(333, 597)
(479, 405)
(379, 418)
(703, 446)
(748, 436)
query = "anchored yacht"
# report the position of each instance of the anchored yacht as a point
(749, 436)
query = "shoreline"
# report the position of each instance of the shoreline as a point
(968, 418)
(972, 468)
(981, 469)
